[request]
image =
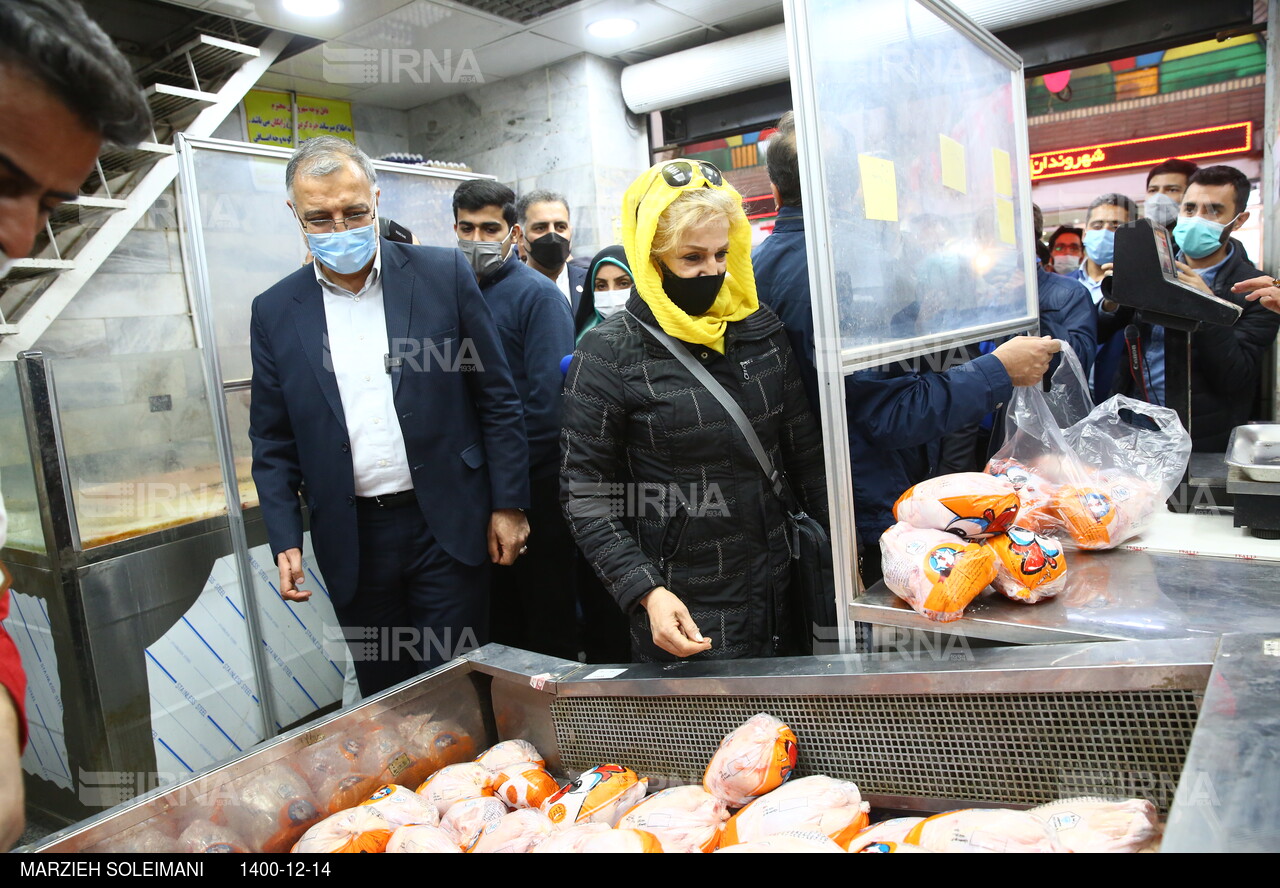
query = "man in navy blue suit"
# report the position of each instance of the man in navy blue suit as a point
(381, 393)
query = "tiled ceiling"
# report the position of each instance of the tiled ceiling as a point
(406, 53)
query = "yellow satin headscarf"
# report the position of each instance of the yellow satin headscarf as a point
(642, 207)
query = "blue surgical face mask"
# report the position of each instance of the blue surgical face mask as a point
(1200, 237)
(346, 252)
(1100, 244)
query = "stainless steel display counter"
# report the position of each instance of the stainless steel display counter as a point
(1117, 595)
(1000, 727)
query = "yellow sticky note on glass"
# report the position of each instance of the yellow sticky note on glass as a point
(879, 188)
(1003, 170)
(953, 173)
(1004, 221)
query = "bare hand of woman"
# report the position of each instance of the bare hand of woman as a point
(673, 629)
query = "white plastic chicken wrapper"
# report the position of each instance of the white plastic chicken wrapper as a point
(570, 839)
(457, 783)
(469, 819)
(510, 752)
(933, 571)
(602, 794)
(755, 758)
(359, 830)
(206, 837)
(685, 819)
(970, 505)
(516, 833)
(996, 830)
(820, 804)
(401, 806)
(790, 842)
(619, 841)
(418, 838)
(436, 743)
(886, 832)
(273, 807)
(1097, 825)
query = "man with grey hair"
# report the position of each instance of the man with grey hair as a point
(381, 393)
(546, 239)
(1107, 213)
(65, 89)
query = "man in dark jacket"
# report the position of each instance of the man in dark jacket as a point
(897, 415)
(1226, 362)
(533, 605)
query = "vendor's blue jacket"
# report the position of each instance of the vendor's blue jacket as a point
(536, 328)
(897, 415)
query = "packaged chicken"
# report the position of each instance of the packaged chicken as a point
(892, 848)
(524, 785)
(1029, 567)
(332, 768)
(419, 838)
(570, 840)
(935, 573)
(602, 794)
(510, 752)
(206, 837)
(516, 833)
(1035, 492)
(1103, 514)
(454, 783)
(471, 818)
(752, 760)
(359, 830)
(995, 830)
(144, 838)
(271, 809)
(886, 832)
(685, 819)
(970, 505)
(401, 806)
(1098, 825)
(619, 841)
(820, 804)
(790, 842)
(435, 743)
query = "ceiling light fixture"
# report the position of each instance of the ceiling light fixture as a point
(312, 8)
(611, 28)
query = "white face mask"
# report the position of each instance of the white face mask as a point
(1065, 263)
(609, 302)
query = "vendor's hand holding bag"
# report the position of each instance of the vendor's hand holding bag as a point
(812, 577)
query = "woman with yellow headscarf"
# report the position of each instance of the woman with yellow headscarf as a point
(661, 489)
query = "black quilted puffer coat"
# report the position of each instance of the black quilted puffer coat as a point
(661, 489)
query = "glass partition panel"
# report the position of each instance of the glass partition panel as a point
(139, 443)
(241, 446)
(17, 476)
(923, 207)
(251, 240)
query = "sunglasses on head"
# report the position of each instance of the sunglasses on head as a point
(679, 173)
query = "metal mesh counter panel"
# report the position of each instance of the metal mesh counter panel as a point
(1010, 749)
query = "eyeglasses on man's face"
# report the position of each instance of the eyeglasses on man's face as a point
(346, 223)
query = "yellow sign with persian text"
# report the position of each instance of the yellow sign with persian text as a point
(268, 118)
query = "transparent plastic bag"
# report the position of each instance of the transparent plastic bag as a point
(1092, 476)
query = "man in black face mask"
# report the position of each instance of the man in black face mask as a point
(545, 241)
(532, 603)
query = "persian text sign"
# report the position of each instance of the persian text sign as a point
(1233, 138)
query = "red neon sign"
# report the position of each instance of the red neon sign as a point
(1232, 138)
